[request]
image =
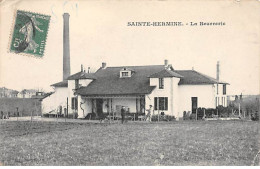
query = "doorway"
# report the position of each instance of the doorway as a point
(99, 103)
(194, 104)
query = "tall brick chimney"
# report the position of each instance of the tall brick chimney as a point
(66, 46)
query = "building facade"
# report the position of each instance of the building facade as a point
(169, 91)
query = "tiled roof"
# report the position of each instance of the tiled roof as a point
(165, 73)
(108, 81)
(61, 84)
(194, 77)
(81, 75)
(43, 97)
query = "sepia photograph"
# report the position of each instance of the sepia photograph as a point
(129, 83)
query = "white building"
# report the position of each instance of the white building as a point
(27, 93)
(136, 87)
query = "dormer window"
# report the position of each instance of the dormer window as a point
(126, 73)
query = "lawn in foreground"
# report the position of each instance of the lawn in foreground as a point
(175, 143)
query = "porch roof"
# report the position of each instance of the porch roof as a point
(115, 96)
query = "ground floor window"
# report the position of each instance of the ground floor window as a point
(161, 103)
(74, 103)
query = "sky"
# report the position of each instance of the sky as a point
(99, 33)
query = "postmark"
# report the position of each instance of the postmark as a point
(29, 33)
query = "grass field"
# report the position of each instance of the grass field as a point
(175, 143)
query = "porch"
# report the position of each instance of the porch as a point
(111, 105)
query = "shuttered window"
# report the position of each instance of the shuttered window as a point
(161, 83)
(224, 89)
(163, 103)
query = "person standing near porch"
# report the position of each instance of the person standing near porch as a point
(149, 113)
(123, 114)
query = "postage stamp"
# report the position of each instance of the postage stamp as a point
(29, 33)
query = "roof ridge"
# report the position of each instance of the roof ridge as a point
(171, 72)
(185, 70)
(133, 66)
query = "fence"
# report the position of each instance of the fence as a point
(220, 113)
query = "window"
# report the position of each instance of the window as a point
(224, 89)
(161, 83)
(74, 103)
(217, 88)
(76, 83)
(216, 100)
(163, 103)
(124, 74)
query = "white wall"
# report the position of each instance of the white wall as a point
(84, 82)
(71, 87)
(58, 98)
(128, 102)
(221, 99)
(205, 94)
(170, 90)
(86, 105)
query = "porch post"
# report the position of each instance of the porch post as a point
(136, 103)
(107, 105)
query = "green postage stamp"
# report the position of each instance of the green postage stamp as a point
(30, 33)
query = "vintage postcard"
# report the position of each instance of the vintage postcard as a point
(129, 83)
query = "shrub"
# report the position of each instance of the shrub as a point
(163, 118)
(186, 115)
(193, 116)
(255, 116)
(91, 116)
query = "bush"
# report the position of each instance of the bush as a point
(193, 116)
(186, 115)
(163, 118)
(91, 116)
(255, 116)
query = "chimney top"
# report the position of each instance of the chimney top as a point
(82, 69)
(66, 15)
(104, 65)
(165, 62)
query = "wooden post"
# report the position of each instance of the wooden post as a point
(158, 107)
(134, 117)
(196, 114)
(67, 113)
(113, 114)
(239, 109)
